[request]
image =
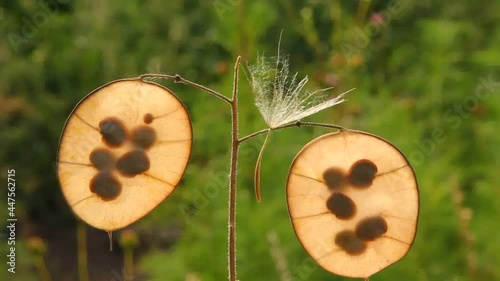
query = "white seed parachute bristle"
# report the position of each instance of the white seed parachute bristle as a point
(279, 95)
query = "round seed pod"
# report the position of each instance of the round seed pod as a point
(123, 150)
(353, 202)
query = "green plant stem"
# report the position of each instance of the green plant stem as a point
(81, 234)
(295, 124)
(128, 264)
(235, 144)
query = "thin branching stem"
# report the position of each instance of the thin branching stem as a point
(235, 144)
(178, 79)
(316, 124)
(294, 124)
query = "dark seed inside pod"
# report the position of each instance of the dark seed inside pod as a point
(106, 186)
(362, 173)
(113, 131)
(133, 163)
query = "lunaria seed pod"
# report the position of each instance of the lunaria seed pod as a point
(123, 150)
(353, 202)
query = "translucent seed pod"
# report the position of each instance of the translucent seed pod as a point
(123, 150)
(353, 202)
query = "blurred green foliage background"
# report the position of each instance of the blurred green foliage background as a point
(427, 78)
